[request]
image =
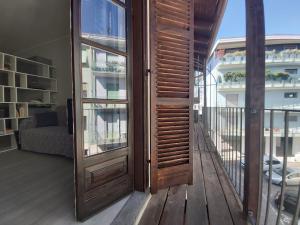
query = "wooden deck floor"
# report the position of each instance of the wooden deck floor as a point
(209, 201)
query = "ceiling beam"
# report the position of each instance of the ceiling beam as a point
(203, 25)
(201, 40)
(202, 47)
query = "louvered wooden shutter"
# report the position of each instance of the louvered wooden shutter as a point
(171, 47)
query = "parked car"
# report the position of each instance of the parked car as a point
(276, 163)
(292, 176)
(290, 200)
(243, 161)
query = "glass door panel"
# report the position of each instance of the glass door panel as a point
(103, 74)
(105, 127)
(103, 21)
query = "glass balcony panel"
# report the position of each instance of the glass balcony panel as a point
(105, 127)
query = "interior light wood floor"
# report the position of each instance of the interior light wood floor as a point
(209, 201)
(34, 188)
(37, 189)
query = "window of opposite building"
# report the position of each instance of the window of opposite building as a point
(232, 100)
(291, 71)
(290, 95)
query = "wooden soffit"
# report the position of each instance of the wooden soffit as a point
(208, 15)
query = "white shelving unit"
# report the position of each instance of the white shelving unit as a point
(24, 83)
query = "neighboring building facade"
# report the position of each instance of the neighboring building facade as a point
(227, 79)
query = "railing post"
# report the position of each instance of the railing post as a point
(254, 106)
(204, 111)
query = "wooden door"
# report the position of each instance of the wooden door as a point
(101, 103)
(172, 75)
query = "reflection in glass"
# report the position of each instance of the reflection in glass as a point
(103, 74)
(105, 127)
(103, 21)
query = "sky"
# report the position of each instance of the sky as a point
(281, 17)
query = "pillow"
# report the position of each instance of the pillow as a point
(46, 119)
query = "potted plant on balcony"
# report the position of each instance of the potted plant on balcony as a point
(291, 53)
(269, 75)
(239, 76)
(282, 76)
(296, 53)
(219, 79)
(228, 57)
(239, 54)
(270, 54)
(228, 76)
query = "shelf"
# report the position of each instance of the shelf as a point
(24, 83)
(7, 110)
(5, 135)
(33, 75)
(34, 62)
(34, 89)
(7, 78)
(9, 62)
(6, 149)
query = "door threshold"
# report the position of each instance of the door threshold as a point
(108, 215)
(133, 209)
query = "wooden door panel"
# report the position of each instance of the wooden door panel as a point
(171, 45)
(104, 195)
(100, 174)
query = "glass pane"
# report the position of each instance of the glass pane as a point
(103, 74)
(105, 127)
(103, 21)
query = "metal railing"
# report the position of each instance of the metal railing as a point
(290, 83)
(231, 59)
(280, 159)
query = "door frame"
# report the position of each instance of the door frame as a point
(140, 90)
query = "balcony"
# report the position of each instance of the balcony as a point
(210, 200)
(226, 131)
(239, 58)
(291, 83)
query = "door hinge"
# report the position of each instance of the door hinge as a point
(148, 72)
(148, 161)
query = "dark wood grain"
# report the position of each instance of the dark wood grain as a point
(217, 205)
(155, 207)
(175, 206)
(196, 211)
(254, 104)
(138, 73)
(234, 207)
(94, 190)
(172, 86)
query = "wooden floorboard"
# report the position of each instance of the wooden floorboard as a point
(196, 209)
(234, 207)
(209, 201)
(175, 205)
(217, 205)
(155, 207)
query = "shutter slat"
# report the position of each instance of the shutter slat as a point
(173, 162)
(172, 153)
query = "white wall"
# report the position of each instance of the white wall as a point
(39, 28)
(296, 144)
(59, 51)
